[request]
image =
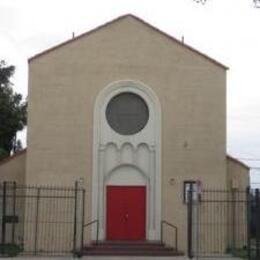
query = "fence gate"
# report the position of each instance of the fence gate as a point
(40, 220)
(224, 223)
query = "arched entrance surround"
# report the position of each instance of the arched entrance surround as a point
(127, 159)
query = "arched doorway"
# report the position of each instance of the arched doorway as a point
(126, 188)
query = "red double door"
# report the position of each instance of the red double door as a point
(126, 212)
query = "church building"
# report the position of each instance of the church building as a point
(136, 117)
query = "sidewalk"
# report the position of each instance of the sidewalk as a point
(114, 258)
(99, 258)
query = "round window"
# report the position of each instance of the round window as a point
(127, 113)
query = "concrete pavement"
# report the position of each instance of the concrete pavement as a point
(116, 258)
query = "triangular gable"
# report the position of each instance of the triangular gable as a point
(141, 21)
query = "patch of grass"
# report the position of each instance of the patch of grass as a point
(241, 253)
(10, 250)
(238, 252)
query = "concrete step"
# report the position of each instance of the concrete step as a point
(131, 253)
(130, 248)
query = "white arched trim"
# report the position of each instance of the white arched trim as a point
(150, 137)
(114, 172)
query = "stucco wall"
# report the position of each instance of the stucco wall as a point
(238, 181)
(13, 168)
(64, 84)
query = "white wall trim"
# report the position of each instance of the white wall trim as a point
(103, 136)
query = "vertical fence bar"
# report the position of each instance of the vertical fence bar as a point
(14, 211)
(97, 232)
(36, 220)
(176, 239)
(248, 218)
(3, 218)
(190, 200)
(233, 220)
(75, 218)
(161, 232)
(257, 224)
(197, 225)
(83, 219)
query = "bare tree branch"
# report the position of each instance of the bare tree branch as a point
(200, 1)
(256, 2)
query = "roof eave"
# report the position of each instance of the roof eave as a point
(9, 158)
(238, 161)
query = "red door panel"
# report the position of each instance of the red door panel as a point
(126, 212)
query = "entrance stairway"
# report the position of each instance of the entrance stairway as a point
(130, 248)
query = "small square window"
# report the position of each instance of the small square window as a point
(190, 186)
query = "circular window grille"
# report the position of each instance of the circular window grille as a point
(127, 113)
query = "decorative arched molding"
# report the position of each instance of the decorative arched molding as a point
(115, 170)
(147, 142)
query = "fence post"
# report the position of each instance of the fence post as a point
(36, 220)
(248, 217)
(14, 211)
(257, 224)
(75, 218)
(197, 239)
(83, 219)
(161, 232)
(233, 201)
(190, 202)
(3, 218)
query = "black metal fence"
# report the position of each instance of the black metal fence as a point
(224, 223)
(254, 224)
(40, 220)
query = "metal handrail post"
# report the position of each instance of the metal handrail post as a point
(97, 230)
(175, 229)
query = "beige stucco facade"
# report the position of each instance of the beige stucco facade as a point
(64, 84)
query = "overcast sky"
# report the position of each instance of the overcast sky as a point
(226, 30)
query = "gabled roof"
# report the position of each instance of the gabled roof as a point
(238, 161)
(9, 158)
(141, 21)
